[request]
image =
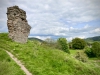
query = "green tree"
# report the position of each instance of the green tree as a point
(63, 45)
(78, 43)
(89, 52)
(96, 49)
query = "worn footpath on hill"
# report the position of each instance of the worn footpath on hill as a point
(19, 63)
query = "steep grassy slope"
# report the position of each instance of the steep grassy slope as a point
(43, 60)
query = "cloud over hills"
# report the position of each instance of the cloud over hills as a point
(57, 18)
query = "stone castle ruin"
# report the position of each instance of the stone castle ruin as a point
(18, 26)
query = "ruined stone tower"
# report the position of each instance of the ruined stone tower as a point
(17, 24)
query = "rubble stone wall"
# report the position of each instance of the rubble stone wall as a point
(18, 26)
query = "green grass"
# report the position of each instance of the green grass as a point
(73, 52)
(8, 66)
(43, 60)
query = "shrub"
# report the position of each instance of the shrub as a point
(78, 43)
(89, 52)
(63, 45)
(96, 49)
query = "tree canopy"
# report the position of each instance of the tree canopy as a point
(96, 49)
(78, 43)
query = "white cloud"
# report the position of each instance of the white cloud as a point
(97, 30)
(56, 18)
(41, 37)
(86, 26)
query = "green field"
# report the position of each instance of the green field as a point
(43, 60)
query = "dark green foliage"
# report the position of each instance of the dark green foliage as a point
(78, 43)
(70, 45)
(63, 45)
(96, 49)
(89, 52)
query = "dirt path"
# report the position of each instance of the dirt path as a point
(19, 63)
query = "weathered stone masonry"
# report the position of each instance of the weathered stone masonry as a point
(17, 24)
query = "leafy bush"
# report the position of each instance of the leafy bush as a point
(96, 49)
(89, 52)
(78, 43)
(62, 43)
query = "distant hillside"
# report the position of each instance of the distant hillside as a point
(91, 39)
(33, 38)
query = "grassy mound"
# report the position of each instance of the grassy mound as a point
(43, 60)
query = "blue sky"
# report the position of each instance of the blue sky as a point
(57, 18)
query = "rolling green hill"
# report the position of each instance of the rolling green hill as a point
(91, 39)
(36, 39)
(42, 60)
